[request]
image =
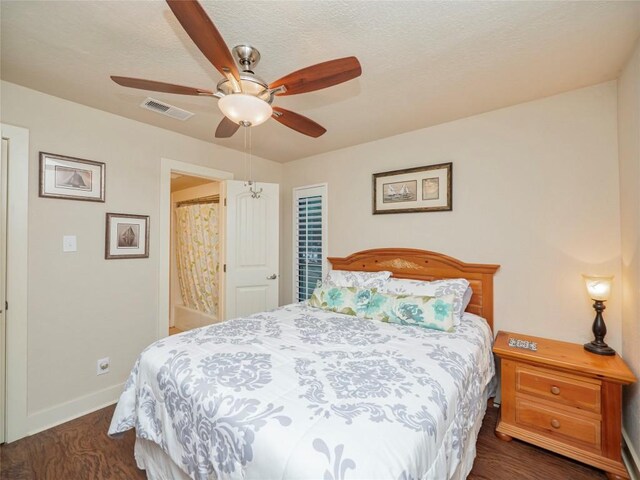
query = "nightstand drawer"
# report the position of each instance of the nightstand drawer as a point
(566, 390)
(557, 423)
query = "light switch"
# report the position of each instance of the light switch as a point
(69, 243)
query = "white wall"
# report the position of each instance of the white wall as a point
(629, 147)
(82, 307)
(535, 189)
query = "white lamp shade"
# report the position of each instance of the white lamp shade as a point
(245, 109)
(598, 286)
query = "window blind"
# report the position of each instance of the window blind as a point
(309, 239)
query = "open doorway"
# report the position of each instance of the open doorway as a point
(13, 344)
(195, 291)
(3, 277)
(247, 239)
(168, 169)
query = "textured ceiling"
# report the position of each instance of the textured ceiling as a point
(423, 63)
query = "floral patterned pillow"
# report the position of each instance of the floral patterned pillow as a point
(438, 288)
(424, 311)
(346, 278)
(347, 300)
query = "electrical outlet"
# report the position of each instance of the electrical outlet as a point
(102, 366)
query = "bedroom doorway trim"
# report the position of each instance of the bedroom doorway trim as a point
(17, 271)
(167, 167)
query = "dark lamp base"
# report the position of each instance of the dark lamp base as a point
(599, 328)
(599, 348)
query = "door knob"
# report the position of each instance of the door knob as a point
(272, 277)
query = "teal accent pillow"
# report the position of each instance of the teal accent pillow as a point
(422, 311)
(347, 300)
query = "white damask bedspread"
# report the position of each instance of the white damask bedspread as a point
(300, 393)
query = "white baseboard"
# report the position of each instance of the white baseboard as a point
(63, 412)
(631, 457)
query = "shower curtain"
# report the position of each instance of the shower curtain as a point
(198, 256)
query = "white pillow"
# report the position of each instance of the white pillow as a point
(346, 278)
(466, 298)
(438, 288)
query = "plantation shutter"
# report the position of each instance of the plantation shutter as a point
(309, 239)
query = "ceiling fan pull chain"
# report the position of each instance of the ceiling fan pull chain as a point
(246, 160)
(255, 192)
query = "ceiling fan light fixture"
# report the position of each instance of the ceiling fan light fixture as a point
(244, 109)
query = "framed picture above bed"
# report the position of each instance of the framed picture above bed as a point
(71, 178)
(419, 189)
(127, 236)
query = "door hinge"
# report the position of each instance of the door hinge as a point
(224, 268)
(6, 305)
(225, 202)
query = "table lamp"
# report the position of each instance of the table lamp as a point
(599, 288)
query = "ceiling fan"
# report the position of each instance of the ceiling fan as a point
(244, 98)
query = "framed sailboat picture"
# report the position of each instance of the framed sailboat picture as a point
(420, 189)
(127, 236)
(71, 178)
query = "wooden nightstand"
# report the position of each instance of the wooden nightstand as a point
(564, 399)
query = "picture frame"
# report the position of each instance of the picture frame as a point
(126, 236)
(70, 178)
(410, 190)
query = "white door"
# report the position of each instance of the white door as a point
(251, 248)
(3, 277)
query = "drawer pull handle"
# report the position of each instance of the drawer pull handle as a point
(555, 423)
(555, 390)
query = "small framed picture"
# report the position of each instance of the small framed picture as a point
(127, 236)
(71, 178)
(420, 189)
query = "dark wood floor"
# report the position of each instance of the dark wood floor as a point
(81, 450)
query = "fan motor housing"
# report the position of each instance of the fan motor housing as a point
(251, 84)
(247, 58)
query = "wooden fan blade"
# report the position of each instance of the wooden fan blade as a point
(158, 86)
(226, 128)
(298, 122)
(321, 75)
(205, 35)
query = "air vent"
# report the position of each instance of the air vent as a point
(165, 109)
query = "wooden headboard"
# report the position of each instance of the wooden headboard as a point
(425, 265)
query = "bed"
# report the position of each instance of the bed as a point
(303, 393)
